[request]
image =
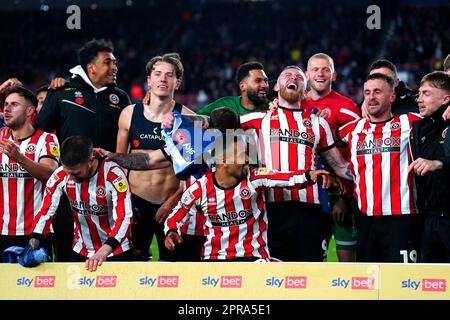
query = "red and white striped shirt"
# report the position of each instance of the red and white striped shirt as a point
(195, 220)
(235, 218)
(21, 193)
(379, 159)
(101, 207)
(290, 140)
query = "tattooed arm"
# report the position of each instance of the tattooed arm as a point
(335, 160)
(147, 160)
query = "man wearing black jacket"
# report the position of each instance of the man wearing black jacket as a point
(405, 98)
(430, 144)
(89, 105)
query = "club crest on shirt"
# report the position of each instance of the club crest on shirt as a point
(395, 126)
(307, 123)
(114, 98)
(120, 184)
(444, 133)
(31, 148)
(245, 193)
(54, 149)
(101, 192)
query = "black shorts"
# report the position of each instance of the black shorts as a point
(298, 231)
(387, 238)
(144, 227)
(435, 246)
(190, 249)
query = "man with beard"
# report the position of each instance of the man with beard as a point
(28, 158)
(340, 110)
(291, 139)
(253, 84)
(100, 201)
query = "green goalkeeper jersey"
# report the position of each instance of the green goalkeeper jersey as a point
(232, 102)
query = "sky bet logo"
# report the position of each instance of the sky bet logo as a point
(38, 282)
(427, 284)
(160, 281)
(289, 282)
(356, 283)
(99, 281)
(223, 281)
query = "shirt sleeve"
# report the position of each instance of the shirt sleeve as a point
(446, 159)
(343, 133)
(267, 178)
(51, 148)
(252, 120)
(180, 213)
(122, 213)
(52, 195)
(349, 113)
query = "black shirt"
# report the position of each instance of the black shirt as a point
(76, 109)
(431, 141)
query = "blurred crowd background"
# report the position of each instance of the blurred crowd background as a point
(214, 37)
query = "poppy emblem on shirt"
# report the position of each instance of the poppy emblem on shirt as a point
(135, 143)
(395, 126)
(245, 193)
(307, 123)
(114, 98)
(444, 133)
(100, 191)
(31, 148)
(79, 100)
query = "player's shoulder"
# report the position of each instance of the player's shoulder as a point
(343, 99)
(128, 110)
(350, 126)
(57, 176)
(122, 93)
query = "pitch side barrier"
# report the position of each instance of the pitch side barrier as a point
(222, 281)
